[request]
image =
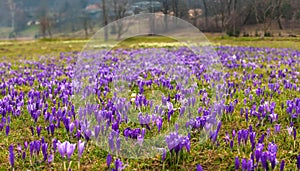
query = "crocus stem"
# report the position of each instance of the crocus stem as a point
(70, 163)
(171, 156)
(78, 165)
(65, 168)
(294, 144)
(178, 158)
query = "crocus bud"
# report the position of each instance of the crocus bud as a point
(237, 163)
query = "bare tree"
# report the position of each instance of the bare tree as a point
(44, 18)
(85, 22)
(175, 7)
(45, 25)
(264, 12)
(205, 13)
(166, 11)
(105, 19)
(120, 7)
(12, 7)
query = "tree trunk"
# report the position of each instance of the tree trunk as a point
(49, 28)
(12, 7)
(279, 15)
(247, 17)
(152, 26)
(165, 11)
(205, 13)
(85, 26)
(279, 23)
(216, 21)
(176, 8)
(105, 20)
(234, 21)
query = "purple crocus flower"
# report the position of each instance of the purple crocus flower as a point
(1, 126)
(25, 145)
(231, 144)
(32, 130)
(78, 134)
(199, 167)
(80, 148)
(268, 131)
(273, 117)
(252, 137)
(290, 130)
(261, 139)
(140, 140)
(118, 165)
(164, 154)
(31, 148)
(118, 144)
(298, 162)
(159, 123)
(97, 131)
(250, 129)
(44, 150)
(50, 158)
(244, 164)
(11, 156)
(70, 149)
(282, 165)
(272, 148)
(182, 110)
(19, 148)
(52, 129)
(215, 134)
(239, 137)
(54, 144)
(7, 130)
(245, 135)
(37, 146)
(249, 165)
(277, 128)
(62, 148)
(38, 130)
(87, 134)
(71, 127)
(24, 155)
(227, 137)
(264, 158)
(233, 134)
(258, 151)
(111, 142)
(237, 163)
(108, 160)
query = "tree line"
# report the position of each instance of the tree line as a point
(227, 16)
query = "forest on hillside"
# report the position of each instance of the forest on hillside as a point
(46, 18)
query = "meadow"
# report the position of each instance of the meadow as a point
(245, 114)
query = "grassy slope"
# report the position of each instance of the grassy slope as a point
(55, 46)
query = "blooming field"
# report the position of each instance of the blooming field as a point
(254, 125)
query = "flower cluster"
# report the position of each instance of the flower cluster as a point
(256, 86)
(176, 142)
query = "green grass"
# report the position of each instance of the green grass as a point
(33, 48)
(29, 31)
(274, 42)
(4, 31)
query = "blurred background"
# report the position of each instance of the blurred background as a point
(33, 19)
